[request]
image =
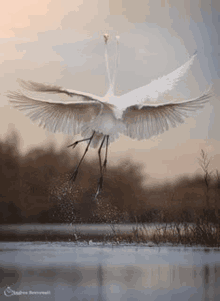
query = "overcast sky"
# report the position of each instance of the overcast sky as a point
(60, 42)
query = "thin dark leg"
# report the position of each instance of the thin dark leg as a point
(73, 177)
(106, 153)
(99, 152)
(75, 143)
(101, 167)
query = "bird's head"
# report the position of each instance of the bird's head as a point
(106, 37)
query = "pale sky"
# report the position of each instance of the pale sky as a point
(60, 42)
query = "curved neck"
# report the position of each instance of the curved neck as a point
(107, 69)
(111, 82)
(110, 90)
(116, 63)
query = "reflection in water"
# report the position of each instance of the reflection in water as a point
(100, 276)
(62, 271)
(160, 282)
(211, 283)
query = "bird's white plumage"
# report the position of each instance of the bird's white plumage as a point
(158, 87)
(129, 114)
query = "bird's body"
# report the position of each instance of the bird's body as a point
(103, 119)
(108, 122)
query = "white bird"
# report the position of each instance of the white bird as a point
(103, 119)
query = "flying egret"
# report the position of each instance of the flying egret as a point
(100, 120)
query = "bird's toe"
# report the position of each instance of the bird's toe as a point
(73, 176)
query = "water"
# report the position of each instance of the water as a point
(82, 271)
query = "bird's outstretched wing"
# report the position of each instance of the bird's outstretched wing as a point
(157, 87)
(45, 88)
(64, 117)
(151, 120)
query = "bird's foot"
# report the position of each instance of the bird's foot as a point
(99, 187)
(74, 175)
(73, 145)
(97, 193)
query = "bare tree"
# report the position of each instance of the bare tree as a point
(204, 162)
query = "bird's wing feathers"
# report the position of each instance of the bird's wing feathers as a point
(67, 118)
(143, 122)
(157, 87)
(45, 88)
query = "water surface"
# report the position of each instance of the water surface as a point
(81, 271)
